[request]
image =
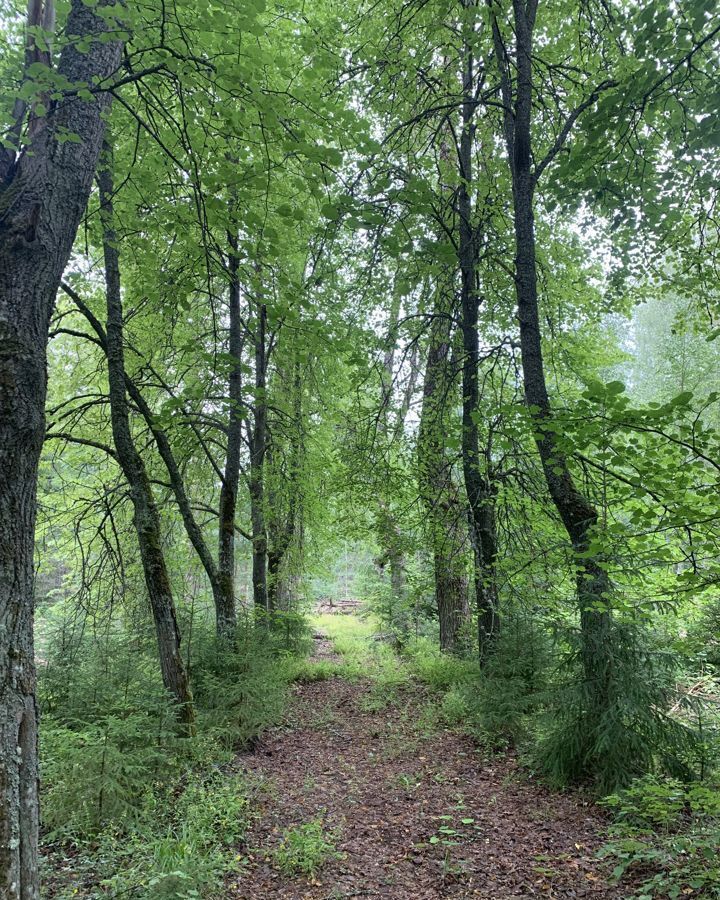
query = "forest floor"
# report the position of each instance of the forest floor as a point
(404, 808)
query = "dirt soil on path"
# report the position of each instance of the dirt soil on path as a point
(416, 812)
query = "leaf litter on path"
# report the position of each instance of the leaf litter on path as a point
(415, 815)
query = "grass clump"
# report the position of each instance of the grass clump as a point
(306, 671)
(305, 848)
(494, 703)
(183, 851)
(439, 671)
(192, 850)
(351, 638)
(389, 678)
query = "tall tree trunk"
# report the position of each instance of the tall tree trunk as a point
(285, 531)
(258, 446)
(225, 597)
(389, 533)
(43, 195)
(438, 491)
(146, 517)
(577, 513)
(476, 472)
(281, 532)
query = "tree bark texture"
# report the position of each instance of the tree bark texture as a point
(576, 512)
(476, 471)
(225, 612)
(43, 195)
(390, 534)
(146, 517)
(284, 506)
(258, 446)
(438, 489)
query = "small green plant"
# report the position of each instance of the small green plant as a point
(390, 677)
(451, 869)
(408, 782)
(305, 848)
(452, 830)
(324, 718)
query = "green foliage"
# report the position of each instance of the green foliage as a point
(239, 690)
(306, 671)
(343, 198)
(290, 633)
(106, 772)
(630, 730)
(189, 850)
(86, 678)
(439, 671)
(305, 848)
(109, 741)
(140, 803)
(408, 616)
(351, 637)
(498, 703)
(665, 838)
(388, 679)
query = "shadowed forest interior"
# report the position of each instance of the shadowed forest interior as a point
(359, 449)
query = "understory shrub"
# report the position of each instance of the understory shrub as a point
(628, 734)
(290, 633)
(665, 838)
(128, 800)
(439, 671)
(108, 743)
(239, 690)
(186, 852)
(494, 703)
(107, 771)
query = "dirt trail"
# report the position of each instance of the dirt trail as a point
(387, 788)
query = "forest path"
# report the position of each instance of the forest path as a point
(413, 811)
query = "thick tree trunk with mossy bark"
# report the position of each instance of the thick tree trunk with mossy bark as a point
(438, 490)
(476, 470)
(146, 517)
(43, 195)
(577, 513)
